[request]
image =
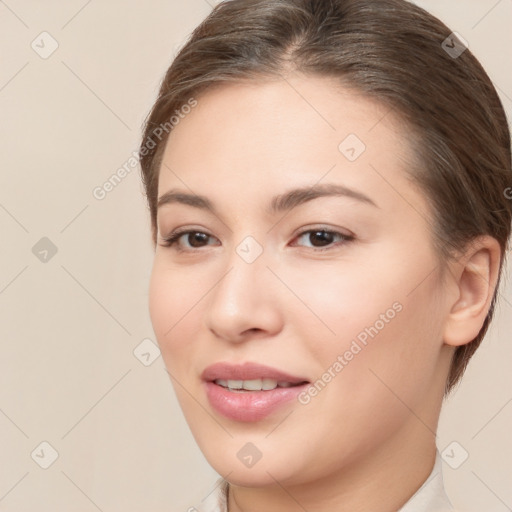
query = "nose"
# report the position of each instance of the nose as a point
(245, 303)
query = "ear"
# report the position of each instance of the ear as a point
(474, 276)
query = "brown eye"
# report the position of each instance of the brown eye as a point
(194, 240)
(323, 239)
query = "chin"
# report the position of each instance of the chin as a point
(230, 464)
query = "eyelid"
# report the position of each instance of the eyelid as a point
(322, 227)
(345, 238)
(171, 240)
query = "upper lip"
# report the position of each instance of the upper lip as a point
(247, 371)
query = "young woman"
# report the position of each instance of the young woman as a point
(327, 183)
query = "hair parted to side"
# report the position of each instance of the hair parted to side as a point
(388, 50)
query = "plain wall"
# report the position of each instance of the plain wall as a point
(70, 323)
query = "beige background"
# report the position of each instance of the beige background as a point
(70, 325)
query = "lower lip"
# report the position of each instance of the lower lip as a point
(249, 405)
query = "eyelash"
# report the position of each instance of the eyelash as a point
(173, 238)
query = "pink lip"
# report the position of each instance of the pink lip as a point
(249, 406)
(247, 371)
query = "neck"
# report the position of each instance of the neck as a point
(383, 480)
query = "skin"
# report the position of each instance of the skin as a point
(367, 440)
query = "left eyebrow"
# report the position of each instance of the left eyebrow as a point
(283, 202)
(298, 196)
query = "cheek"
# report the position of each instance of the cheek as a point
(383, 356)
(172, 298)
(375, 328)
(162, 301)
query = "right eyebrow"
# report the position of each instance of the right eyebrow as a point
(175, 196)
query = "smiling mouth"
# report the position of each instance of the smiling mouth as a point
(243, 386)
(250, 392)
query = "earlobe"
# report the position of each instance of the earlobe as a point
(475, 277)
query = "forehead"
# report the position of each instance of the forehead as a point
(268, 135)
(297, 111)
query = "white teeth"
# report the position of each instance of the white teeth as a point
(253, 384)
(235, 384)
(268, 384)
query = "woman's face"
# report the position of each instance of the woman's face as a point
(339, 288)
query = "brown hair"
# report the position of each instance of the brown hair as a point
(390, 50)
